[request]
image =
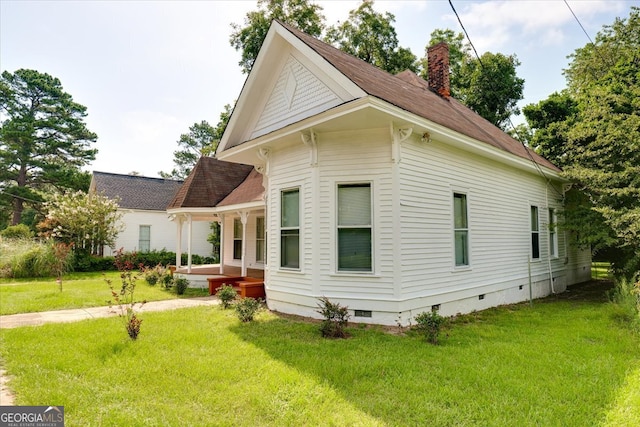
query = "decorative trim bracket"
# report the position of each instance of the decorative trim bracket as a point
(398, 135)
(311, 140)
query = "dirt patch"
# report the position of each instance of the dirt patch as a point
(593, 290)
(6, 397)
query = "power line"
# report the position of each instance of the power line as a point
(20, 197)
(515, 130)
(578, 21)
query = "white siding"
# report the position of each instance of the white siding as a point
(163, 233)
(297, 94)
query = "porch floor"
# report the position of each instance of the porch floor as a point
(214, 270)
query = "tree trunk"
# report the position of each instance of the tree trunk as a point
(18, 204)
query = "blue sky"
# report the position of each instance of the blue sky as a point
(147, 70)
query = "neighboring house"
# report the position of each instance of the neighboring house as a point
(385, 194)
(143, 202)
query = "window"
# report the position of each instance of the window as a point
(460, 229)
(553, 233)
(144, 241)
(290, 229)
(260, 247)
(535, 233)
(237, 238)
(354, 227)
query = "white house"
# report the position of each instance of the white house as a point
(143, 202)
(385, 194)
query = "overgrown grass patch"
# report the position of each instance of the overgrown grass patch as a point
(79, 290)
(561, 362)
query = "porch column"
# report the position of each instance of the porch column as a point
(189, 241)
(221, 216)
(243, 219)
(178, 240)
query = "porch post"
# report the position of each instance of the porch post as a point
(221, 216)
(189, 241)
(178, 240)
(244, 215)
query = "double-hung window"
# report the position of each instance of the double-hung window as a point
(354, 227)
(290, 228)
(260, 246)
(460, 229)
(237, 238)
(535, 233)
(144, 239)
(553, 233)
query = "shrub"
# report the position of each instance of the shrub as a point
(335, 319)
(28, 258)
(226, 294)
(181, 284)
(123, 297)
(17, 232)
(429, 323)
(246, 308)
(166, 279)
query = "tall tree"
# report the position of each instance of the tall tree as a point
(600, 138)
(490, 86)
(370, 36)
(202, 140)
(43, 139)
(248, 38)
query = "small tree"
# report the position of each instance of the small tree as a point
(88, 221)
(61, 260)
(123, 297)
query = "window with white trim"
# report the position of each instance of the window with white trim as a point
(260, 246)
(535, 233)
(237, 238)
(460, 229)
(553, 233)
(354, 228)
(290, 228)
(144, 238)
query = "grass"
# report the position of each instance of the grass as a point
(566, 361)
(79, 290)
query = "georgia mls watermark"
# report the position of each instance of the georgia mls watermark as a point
(31, 416)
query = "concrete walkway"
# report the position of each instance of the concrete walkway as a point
(75, 315)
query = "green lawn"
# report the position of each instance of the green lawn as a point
(565, 362)
(80, 290)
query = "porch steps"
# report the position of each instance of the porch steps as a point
(245, 286)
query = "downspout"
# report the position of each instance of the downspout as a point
(546, 196)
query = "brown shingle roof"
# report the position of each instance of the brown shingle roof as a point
(251, 190)
(405, 92)
(210, 181)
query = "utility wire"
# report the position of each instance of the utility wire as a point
(20, 197)
(578, 21)
(515, 130)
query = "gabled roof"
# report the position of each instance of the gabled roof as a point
(407, 92)
(251, 190)
(209, 182)
(135, 192)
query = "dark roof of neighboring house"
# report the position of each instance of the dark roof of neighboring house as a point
(136, 192)
(408, 92)
(210, 181)
(251, 190)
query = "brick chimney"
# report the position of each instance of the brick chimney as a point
(438, 73)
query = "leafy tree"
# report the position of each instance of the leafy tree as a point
(248, 38)
(551, 119)
(370, 36)
(599, 141)
(43, 139)
(490, 86)
(87, 221)
(202, 140)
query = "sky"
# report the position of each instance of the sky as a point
(148, 70)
